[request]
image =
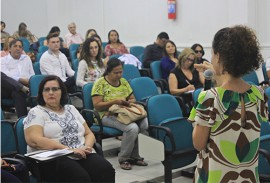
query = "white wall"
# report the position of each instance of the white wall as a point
(139, 21)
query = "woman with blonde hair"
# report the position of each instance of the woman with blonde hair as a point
(184, 78)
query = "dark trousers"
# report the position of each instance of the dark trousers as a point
(92, 169)
(11, 89)
(70, 84)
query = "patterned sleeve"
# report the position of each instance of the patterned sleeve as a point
(125, 82)
(107, 50)
(98, 88)
(34, 117)
(204, 112)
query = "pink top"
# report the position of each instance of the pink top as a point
(73, 39)
(109, 50)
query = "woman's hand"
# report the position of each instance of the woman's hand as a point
(190, 87)
(204, 66)
(81, 152)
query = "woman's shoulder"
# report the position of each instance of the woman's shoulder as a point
(82, 62)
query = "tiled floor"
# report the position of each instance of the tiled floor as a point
(152, 173)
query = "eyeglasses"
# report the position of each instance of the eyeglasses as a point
(53, 89)
(198, 51)
(189, 59)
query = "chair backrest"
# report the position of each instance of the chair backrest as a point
(26, 44)
(195, 94)
(251, 78)
(156, 70)
(164, 111)
(73, 55)
(264, 166)
(140, 57)
(38, 57)
(34, 82)
(267, 93)
(136, 50)
(161, 107)
(264, 72)
(41, 41)
(2, 114)
(73, 47)
(42, 49)
(130, 72)
(104, 45)
(143, 88)
(8, 139)
(75, 64)
(87, 100)
(115, 56)
(19, 132)
(36, 67)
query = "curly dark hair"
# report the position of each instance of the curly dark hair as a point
(64, 95)
(238, 49)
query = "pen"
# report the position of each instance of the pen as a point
(188, 82)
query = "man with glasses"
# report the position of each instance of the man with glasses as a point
(16, 70)
(54, 62)
(153, 52)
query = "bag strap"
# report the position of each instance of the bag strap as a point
(129, 109)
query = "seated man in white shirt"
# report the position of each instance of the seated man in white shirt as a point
(73, 37)
(16, 69)
(54, 62)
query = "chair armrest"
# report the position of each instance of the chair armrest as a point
(163, 84)
(78, 94)
(95, 115)
(266, 154)
(145, 72)
(167, 134)
(98, 149)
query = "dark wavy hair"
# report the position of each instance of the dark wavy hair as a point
(64, 95)
(238, 50)
(164, 49)
(54, 29)
(118, 39)
(86, 55)
(193, 47)
(88, 31)
(112, 63)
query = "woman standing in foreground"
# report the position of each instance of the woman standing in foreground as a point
(228, 117)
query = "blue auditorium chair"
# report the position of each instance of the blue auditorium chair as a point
(88, 112)
(136, 51)
(167, 124)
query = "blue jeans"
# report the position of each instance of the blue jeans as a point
(129, 145)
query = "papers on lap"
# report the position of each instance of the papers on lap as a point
(48, 154)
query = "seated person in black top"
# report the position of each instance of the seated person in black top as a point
(198, 49)
(184, 78)
(153, 52)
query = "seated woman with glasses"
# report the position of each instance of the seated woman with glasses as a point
(53, 124)
(184, 78)
(198, 49)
